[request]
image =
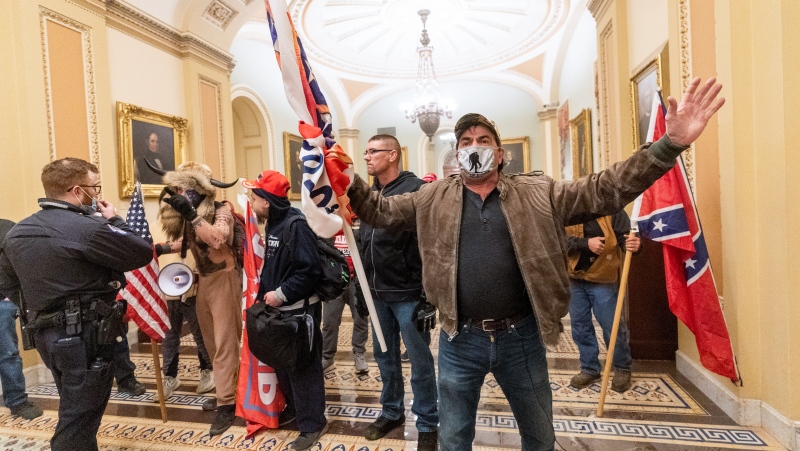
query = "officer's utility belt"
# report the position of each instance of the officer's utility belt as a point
(108, 318)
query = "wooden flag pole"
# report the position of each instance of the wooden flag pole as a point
(159, 386)
(623, 287)
(359, 267)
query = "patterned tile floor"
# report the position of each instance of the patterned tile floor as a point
(662, 411)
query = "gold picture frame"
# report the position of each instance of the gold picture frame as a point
(652, 77)
(581, 140)
(403, 164)
(143, 133)
(517, 158)
(292, 144)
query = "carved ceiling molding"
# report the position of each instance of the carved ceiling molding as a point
(548, 112)
(348, 132)
(598, 8)
(88, 77)
(143, 27)
(556, 15)
(219, 14)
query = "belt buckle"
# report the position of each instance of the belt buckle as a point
(489, 325)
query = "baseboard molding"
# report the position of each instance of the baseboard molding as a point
(745, 412)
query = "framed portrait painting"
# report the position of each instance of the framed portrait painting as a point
(292, 144)
(581, 133)
(147, 136)
(644, 86)
(517, 157)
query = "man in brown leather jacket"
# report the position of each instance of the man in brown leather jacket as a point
(494, 260)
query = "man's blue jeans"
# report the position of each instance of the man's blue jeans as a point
(516, 358)
(395, 319)
(10, 362)
(602, 299)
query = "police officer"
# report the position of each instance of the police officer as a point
(68, 261)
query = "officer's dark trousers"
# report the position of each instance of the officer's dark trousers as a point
(84, 391)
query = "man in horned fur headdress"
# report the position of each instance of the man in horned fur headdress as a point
(188, 212)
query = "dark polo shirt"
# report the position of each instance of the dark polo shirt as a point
(490, 284)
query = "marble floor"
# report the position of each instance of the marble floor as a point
(662, 411)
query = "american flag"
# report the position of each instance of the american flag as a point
(146, 306)
(667, 213)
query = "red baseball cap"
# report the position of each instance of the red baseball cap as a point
(430, 177)
(272, 182)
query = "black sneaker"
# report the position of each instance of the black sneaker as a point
(27, 410)
(308, 439)
(131, 386)
(223, 420)
(210, 404)
(383, 426)
(428, 441)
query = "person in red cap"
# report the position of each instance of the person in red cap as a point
(429, 177)
(291, 271)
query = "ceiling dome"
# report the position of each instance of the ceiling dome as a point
(379, 38)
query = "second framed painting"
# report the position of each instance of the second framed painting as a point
(517, 156)
(644, 86)
(581, 133)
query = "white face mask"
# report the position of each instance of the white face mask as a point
(476, 161)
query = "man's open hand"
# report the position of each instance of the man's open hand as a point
(687, 120)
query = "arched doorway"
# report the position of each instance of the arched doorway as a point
(252, 134)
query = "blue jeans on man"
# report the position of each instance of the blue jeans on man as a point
(396, 320)
(517, 359)
(600, 298)
(10, 362)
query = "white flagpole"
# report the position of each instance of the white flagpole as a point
(359, 267)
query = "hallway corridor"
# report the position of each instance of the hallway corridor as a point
(662, 411)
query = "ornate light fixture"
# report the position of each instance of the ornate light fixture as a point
(426, 106)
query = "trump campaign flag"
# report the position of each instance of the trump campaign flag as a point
(327, 169)
(146, 306)
(258, 399)
(666, 213)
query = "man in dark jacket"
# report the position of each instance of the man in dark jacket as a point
(69, 261)
(290, 273)
(394, 274)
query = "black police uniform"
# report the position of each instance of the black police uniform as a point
(69, 267)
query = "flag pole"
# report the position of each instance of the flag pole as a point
(623, 287)
(359, 267)
(159, 385)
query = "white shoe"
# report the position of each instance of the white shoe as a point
(170, 385)
(361, 363)
(206, 383)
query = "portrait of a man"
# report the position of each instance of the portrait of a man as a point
(517, 155)
(292, 144)
(156, 144)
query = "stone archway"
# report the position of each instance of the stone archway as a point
(252, 135)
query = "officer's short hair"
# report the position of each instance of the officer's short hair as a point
(60, 176)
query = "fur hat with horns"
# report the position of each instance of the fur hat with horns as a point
(192, 176)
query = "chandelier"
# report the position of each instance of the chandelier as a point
(426, 106)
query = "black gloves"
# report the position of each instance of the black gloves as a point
(424, 317)
(361, 304)
(181, 204)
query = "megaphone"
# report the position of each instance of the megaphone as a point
(175, 279)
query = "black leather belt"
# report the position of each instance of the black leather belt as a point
(493, 325)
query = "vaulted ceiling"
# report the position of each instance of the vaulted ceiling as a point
(365, 49)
